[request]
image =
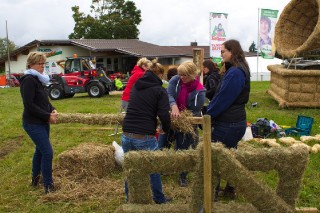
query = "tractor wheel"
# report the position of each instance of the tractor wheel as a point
(56, 92)
(96, 89)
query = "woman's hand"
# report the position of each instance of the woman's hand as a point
(53, 117)
(175, 113)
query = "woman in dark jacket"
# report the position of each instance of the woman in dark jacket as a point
(211, 78)
(148, 100)
(227, 108)
(37, 115)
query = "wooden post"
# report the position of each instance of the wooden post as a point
(198, 58)
(207, 164)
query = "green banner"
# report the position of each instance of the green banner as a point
(268, 20)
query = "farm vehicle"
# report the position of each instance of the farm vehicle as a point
(80, 76)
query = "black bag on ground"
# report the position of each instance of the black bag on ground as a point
(261, 128)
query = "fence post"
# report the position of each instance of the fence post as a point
(207, 164)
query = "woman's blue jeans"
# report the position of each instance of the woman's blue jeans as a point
(147, 143)
(228, 133)
(43, 154)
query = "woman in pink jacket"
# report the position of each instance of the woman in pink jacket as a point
(138, 71)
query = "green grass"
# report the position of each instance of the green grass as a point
(16, 148)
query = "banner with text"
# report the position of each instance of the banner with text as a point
(218, 34)
(268, 19)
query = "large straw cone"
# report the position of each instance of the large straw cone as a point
(298, 28)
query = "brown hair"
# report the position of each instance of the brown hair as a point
(210, 65)
(238, 58)
(156, 67)
(172, 71)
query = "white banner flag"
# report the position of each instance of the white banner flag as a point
(218, 34)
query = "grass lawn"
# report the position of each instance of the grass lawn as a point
(16, 150)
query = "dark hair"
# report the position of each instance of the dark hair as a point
(172, 71)
(238, 58)
(210, 65)
(266, 19)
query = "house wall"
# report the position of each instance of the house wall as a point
(19, 66)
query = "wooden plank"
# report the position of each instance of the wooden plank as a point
(207, 164)
(198, 58)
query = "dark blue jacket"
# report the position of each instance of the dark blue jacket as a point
(228, 105)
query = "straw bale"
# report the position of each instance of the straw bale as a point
(91, 119)
(88, 160)
(306, 139)
(308, 87)
(138, 208)
(303, 145)
(218, 207)
(182, 124)
(262, 197)
(138, 165)
(270, 142)
(307, 97)
(290, 164)
(288, 140)
(294, 87)
(315, 148)
(68, 188)
(294, 80)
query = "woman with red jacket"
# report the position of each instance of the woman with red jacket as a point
(138, 71)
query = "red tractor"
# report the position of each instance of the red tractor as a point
(79, 76)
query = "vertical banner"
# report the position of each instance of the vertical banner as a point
(268, 20)
(218, 34)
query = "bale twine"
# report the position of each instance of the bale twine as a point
(88, 160)
(298, 28)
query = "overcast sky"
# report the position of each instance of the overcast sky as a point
(164, 22)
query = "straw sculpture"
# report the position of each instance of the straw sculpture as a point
(294, 88)
(290, 164)
(298, 28)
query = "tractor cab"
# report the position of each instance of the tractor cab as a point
(79, 76)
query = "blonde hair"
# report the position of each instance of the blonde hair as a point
(144, 61)
(189, 69)
(35, 57)
(156, 67)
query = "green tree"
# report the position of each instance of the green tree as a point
(4, 47)
(109, 19)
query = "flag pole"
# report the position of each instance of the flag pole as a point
(258, 45)
(8, 50)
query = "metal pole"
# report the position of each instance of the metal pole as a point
(8, 50)
(258, 44)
